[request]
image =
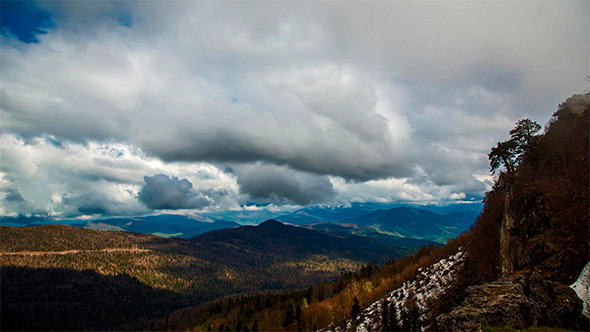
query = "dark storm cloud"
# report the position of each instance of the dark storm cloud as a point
(163, 192)
(269, 183)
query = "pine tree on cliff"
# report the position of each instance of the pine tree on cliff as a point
(525, 136)
(510, 153)
(503, 154)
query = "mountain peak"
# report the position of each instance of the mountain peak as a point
(271, 223)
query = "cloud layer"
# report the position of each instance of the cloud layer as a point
(305, 102)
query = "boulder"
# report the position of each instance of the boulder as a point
(520, 300)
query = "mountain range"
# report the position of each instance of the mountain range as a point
(161, 225)
(358, 219)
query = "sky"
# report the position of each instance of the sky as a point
(146, 107)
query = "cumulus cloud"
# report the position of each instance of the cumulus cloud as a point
(163, 192)
(72, 179)
(276, 184)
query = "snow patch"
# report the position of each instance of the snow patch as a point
(429, 284)
(582, 289)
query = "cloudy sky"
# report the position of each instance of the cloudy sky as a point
(128, 108)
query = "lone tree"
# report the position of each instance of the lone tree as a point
(385, 324)
(503, 154)
(510, 153)
(524, 136)
(411, 313)
(389, 317)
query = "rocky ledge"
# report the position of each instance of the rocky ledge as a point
(519, 301)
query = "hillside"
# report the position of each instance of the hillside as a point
(271, 256)
(275, 241)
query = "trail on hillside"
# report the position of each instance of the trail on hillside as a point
(73, 251)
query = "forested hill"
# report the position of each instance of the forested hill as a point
(276, 241)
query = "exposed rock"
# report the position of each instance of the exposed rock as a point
(518, 301)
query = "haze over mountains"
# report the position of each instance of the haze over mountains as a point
(362, 220)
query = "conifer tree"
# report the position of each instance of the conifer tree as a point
(385, 325)
(356, 309)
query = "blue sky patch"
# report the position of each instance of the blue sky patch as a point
(125, 19)
(24, 20)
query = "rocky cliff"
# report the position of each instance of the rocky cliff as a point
(544, 235)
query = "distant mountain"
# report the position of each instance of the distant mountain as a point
(162, 225)
(316, 214)
(417, 223)
(213, 226)
(352, 229)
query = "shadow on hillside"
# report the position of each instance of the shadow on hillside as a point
(63, 299)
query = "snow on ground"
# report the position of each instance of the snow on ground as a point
(582, 289)
(428, 285)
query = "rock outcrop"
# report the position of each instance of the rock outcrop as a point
(518, 301)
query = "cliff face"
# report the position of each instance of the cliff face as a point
(530, 239)
(545, 226)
